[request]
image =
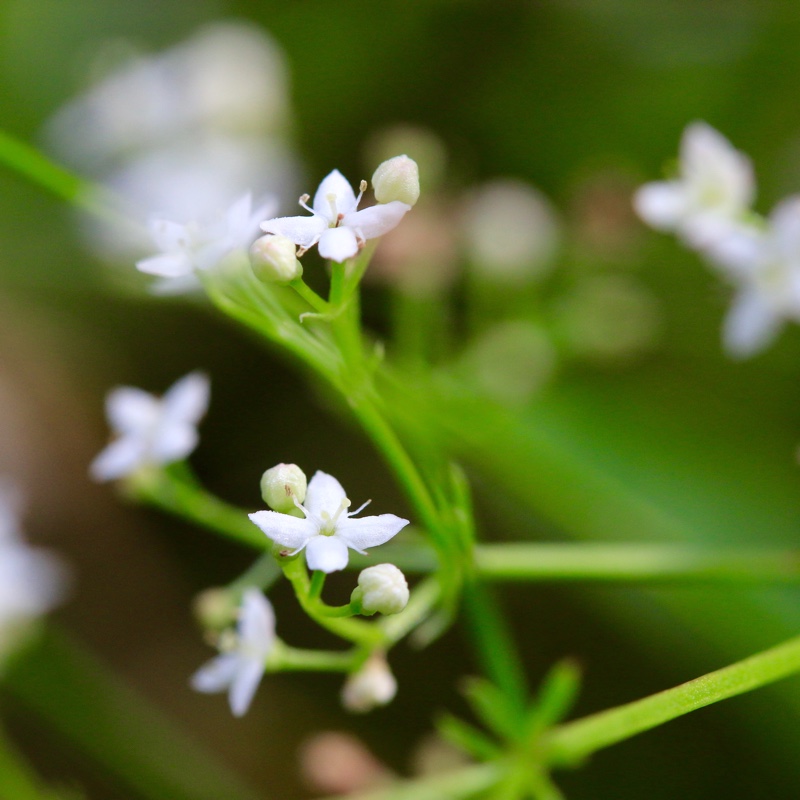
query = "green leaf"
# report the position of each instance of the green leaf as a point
(465, 737)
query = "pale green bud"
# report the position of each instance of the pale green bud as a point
(274, 259)
(216, 609)
(373, 685)
(282, 485)
(397, 179)
(381, 589)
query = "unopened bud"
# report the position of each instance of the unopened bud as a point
(373, 685)
(282, 485)
(381, 589)
(274, 259)
(397, 179)
(216, 609)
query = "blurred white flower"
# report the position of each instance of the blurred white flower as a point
(32, 580)
(328, 529)
(373, 685)
(198, 246)
(151, 430)
(239, 667)
(711, 195)
(764, 265)
(510, 231)
(336, 225)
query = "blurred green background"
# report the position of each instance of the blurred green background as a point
(582, 99)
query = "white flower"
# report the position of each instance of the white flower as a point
(764, 264)
(383, 589)
(239, 669)
(373, 685)
(151, 430)
(32, 581)
(328, 529)
(714, 189)
(196, 246)
(336, 225)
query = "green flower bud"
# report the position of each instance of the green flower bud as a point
(397, 179)
(381, 589)
(282, 485)
(274, 259)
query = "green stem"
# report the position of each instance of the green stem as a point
(317, 583)
(571, 743)
(261, 574)
(284, 658)
(310, 296)
(633, 562)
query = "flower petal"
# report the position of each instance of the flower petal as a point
(303, 231)
(751, 324)
(369, 531)
(173, 441)
(130, 409)
(256, 623)
(324, 493)
(326, 553)
(120, 458)
(338, 244)
(284, 530)
(661, 204)
(168, 265)
(216, 675)
(169, 236)
(334, 188)
(187, 399)
(244, 685)
(376, 220)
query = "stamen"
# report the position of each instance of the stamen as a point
(359, 509)
(331, 198)
(304, 202)
(362, 187)
(345, 504)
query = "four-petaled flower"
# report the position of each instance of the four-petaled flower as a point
(151, 430)
(239, 667)
(712, 193)
(185, 248)
(328, 529)
(337, 226)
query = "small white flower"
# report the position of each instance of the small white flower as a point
(373, 685)
(186, 248)
(336, 225)
(328, 529)
(151, 430)
(764, 265)
(32, 581)
(239, 669)
(714, 189)
(383, 589)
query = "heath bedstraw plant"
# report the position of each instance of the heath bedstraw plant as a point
(522, 736)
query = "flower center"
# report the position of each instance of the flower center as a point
(329, 522)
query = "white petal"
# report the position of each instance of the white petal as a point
(121, 457)
(661, 204)
(256, 623)
(169, 236)
(785, 227)
(338, 244)
(751, 324)
(187, 399)
(334, 187)
(324, 493)
(377, 220)
(326, 553)
(173, 442)
(244, 685)
(303, 231)
(238, 215)
(130, 409)
(369, 531)
(216, 675)
(171, 265)
(291, 532)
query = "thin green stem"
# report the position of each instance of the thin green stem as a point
(317, 584)
(633, 563)
(262, 574)
(285, 658)
(569, 744)
(310, 296)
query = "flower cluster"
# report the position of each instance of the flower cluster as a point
(708, 205)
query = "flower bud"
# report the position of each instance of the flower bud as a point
(216, 609)
(274, 260)
(397, 179)
(381, 589)
(282, 485)
(373, 685)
